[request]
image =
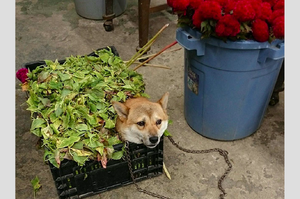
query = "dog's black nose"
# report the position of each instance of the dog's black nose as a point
(153, 139)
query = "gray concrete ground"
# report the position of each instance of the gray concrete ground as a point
(51, 29)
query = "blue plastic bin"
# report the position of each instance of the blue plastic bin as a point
(227, 86)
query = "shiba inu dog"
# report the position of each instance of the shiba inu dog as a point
(142, 121)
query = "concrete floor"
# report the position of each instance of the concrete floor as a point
(51, 29)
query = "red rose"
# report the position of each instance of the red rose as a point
(227, 26)
(254, 3)
(264, 11)
(243, 11)
(22, 74)
(229, 6)
(278, 27)
(275, 14)
(210, 10)
(221, 2)
(179, 5)
(197, 20)
(279, 5)
(272, 2)
(195, 3)
(260, 30)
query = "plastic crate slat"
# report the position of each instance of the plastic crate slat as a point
(68, 192)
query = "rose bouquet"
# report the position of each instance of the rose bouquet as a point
(258, 20)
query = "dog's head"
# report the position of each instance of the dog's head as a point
(141, 121)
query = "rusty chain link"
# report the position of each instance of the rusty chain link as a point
(222, 152)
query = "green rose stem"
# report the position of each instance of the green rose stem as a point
(154, 65)
(165, 48)
(146, 46)
(167, 51)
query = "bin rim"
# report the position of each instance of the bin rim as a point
(195, 36)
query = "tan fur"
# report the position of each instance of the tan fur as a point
(135, 111)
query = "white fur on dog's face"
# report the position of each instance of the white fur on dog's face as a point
(134, 135)
(141, 121)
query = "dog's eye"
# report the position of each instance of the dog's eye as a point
(141, 123)
(158, 122)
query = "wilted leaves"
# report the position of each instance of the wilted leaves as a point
(70, 104)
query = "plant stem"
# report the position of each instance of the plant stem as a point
(165, 48)
(167, 51)
(154, 65)
(146, 46)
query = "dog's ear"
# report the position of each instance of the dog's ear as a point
(164, 101)
(121, 110)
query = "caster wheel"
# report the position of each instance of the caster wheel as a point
(108, 26)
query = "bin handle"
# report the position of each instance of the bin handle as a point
(189, 42)
(274, 52)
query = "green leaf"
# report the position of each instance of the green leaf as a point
(48, 154)
(42, 76)
(80, 159)
(65, 92)
(79, 74)
(78, 145)
(109, 124)
(117, 155)
(167, 133)
(92, 106)
(92, 120)
(113, 140)
(55, 129)
(64, 76)
(37, 132)
(64, 142)
(47, 132)
(122, 96)
(100, 149)
(104, 57)
(93, 97)
(37, 123)
(48, 62)
(36, 185)
(58, 110)
(94, 143)
(81, 127)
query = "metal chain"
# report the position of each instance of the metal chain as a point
(222, 152)
(133, 179)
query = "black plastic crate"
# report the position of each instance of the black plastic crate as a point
(73, 181)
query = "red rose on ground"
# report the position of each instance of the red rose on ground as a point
(227, 26)
(278, 27)
(22, 74)
(243, 11)
(260, 30)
